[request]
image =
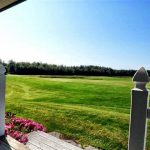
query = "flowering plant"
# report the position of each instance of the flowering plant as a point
(19, 127)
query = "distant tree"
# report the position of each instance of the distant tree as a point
(12, 67)
(38, 68)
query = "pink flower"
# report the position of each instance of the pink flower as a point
(23, 139)
(16, 127)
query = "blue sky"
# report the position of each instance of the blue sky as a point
(111, 33)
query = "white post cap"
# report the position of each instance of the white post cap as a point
(141, 78)
(2, 69)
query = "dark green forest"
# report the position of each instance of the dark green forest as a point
(38, 68)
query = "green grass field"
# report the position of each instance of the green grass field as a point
(91, 110)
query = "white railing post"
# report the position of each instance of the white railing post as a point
(138, 120)
(2, 100)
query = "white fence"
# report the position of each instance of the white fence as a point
(2, 100)
(139, 111)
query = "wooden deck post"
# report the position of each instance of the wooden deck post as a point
(2, 100)
(138, 120)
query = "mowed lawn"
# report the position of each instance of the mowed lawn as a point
(91, 110)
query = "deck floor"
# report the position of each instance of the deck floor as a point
(37, 141)
(42, 141)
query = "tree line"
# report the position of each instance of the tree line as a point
(38, 68)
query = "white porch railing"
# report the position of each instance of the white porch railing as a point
(2, 100)
(139, 111)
